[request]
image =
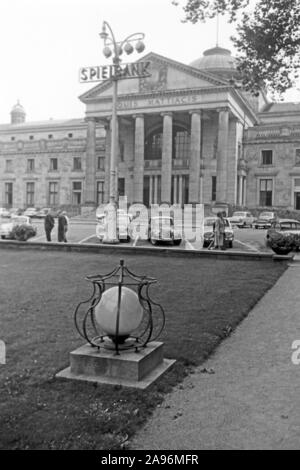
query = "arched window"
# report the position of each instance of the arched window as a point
(180, 144)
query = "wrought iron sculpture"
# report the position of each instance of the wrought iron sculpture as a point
(152, 318)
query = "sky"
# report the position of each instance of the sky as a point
(45, 42)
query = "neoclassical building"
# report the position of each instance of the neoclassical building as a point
(185, 135)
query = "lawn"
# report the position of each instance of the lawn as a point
(204, 299)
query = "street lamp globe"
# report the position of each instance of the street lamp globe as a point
(123, 308)
(128, 48)
(107, 52)
(140, 46)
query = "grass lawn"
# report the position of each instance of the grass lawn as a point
(203, 299)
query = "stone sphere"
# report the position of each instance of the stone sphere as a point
(131, 311)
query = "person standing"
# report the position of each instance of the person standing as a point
(48, 225)
(219, 230)
(62, 227)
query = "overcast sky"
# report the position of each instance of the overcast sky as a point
(45, 42)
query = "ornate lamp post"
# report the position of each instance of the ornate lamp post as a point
(115, 49)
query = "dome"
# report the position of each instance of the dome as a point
(216, 60)
(17, 114)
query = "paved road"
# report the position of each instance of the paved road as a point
(84, 232)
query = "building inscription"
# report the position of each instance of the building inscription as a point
(162, 101)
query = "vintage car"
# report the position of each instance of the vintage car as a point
(265, 220)
(123, 225)
(25, 228)
(242, 219)
(208, 232)
(4, 213)
(287, 228)
(162, 229)
(41, 214)
(31, 212)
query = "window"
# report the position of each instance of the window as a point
(50, 136)
(53, 193)
(53, 164)
(121, 186)
(30, 164)
(100, 192)
(267, 157)
(70, 135)
(12, 138)
(265, 192)
(30, 194)
(101, 163)
(8, 190)
(77, 163)
(297, 155)
(153, 147)
(76, 192)
(213, 188)
(122, 148)
(8, 166)
(181, 145)
(31, 137)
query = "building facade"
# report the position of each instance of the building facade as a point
(185, 135)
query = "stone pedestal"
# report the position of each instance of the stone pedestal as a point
(130, 368)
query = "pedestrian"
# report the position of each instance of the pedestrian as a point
(48, 225)
(219, 230)
(63, 223)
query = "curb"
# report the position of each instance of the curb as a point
(109, 249)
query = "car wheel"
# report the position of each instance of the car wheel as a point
(177, 242)
(2, 237)
(153, 242)
(230, 244)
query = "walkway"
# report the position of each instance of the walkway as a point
(247, 395)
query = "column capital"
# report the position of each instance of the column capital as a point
(196, 111)
(167, 113)
(223, 109)
(138, 115)
(90, 119)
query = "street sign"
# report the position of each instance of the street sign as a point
(100, 73)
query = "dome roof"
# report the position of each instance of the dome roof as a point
(216, 60)
(18, 108)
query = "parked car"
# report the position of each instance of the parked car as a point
(242, 219)
(4, 213)
(15, 211)
(162, 229)
(209, 232)
(288, 228)
(41, 214)
(265, 220)
(31, 212)
(123, 225)
(8, 229)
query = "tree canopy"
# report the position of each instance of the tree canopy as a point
(267, 38)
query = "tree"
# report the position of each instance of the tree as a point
(267, 39)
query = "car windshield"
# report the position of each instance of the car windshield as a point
(162, 221)
(239, 214)
(19, 220)
(266, 215)
(210, 222)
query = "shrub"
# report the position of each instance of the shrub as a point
(281, 244)
(23, 232)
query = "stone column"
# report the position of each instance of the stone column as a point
(155, 189)
(241, 190)
(180, 191)
(150, 190)
(90, 164)
(223, 128)
(194, 173)
(139, 145)
(107, 160)
(166, 166)
(175, 190)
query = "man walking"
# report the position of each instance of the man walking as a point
(49, 224)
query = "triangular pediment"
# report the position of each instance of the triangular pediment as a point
(166, 75)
